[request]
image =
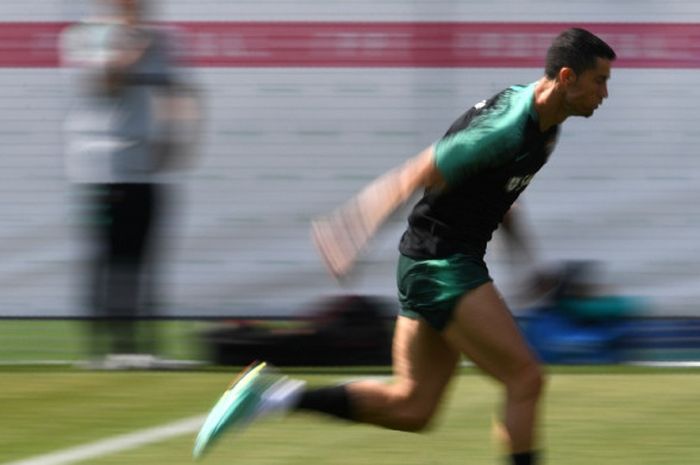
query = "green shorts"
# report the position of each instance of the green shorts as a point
(430, 289)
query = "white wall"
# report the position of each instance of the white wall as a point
(285, 144)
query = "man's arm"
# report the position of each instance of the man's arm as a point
(517, 236)
(519, 240)
(343, 234)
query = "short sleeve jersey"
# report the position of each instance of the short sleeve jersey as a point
(487, 157)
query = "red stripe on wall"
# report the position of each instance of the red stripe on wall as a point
(29, 45)
(379, 44)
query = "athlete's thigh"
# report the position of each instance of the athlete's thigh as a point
(423, 361)
(484, 330)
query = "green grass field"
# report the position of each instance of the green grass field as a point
(33, 341)
(614, 416)
(593, 415)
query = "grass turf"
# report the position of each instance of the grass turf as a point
(31, 341)
(616, 416)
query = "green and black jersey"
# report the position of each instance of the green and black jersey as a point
(487, 157)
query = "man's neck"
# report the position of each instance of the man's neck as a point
(549, 104)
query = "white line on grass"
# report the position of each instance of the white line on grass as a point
(115, 444)
(680, 364)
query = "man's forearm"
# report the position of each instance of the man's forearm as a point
(341, 235)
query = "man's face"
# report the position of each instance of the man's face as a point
(586, 91)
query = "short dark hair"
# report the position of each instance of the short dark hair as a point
(577, 49)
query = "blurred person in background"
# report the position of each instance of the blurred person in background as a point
(583, 320)
(125, 130)
(449, 304)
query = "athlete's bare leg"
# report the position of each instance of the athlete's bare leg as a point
(423, 366)
(484, 330)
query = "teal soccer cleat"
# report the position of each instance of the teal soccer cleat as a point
(237, 407)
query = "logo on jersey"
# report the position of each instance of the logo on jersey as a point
(522, 156)
(518, 183)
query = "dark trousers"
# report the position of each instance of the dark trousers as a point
(121, 220)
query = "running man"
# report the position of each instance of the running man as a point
(449, 304)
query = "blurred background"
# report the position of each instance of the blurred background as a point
(284, 109)
(301, 104)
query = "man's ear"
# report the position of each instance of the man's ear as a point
(567, 76)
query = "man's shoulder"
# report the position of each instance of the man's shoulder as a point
(495, 125)
(508, 111)
(515, 99)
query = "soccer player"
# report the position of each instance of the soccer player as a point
(449, 304)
